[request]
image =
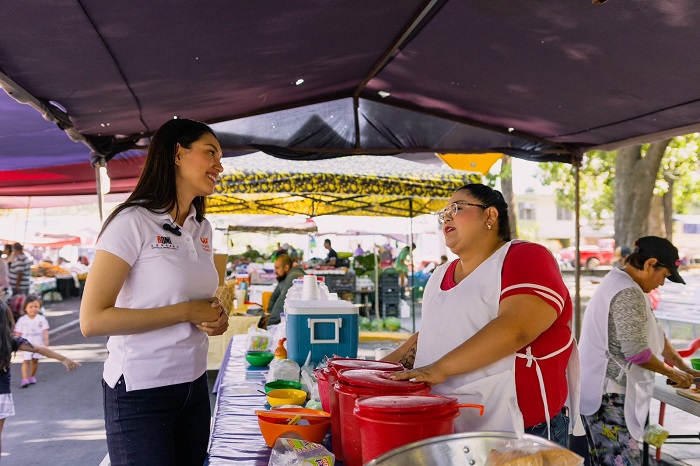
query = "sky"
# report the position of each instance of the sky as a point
(524, 177)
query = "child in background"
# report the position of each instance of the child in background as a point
(34, 328)
(8, 345)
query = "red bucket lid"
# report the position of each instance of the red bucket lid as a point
(404, 404)
(368, 378)
(345, 363)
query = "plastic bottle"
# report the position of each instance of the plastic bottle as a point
(294, 293)
(281, 351)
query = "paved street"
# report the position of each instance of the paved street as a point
(58, 421)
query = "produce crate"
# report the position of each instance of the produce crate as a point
(390, 309)
(340, 283)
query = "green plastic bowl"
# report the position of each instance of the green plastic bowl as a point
(280, 384)
(695, 362)
(259, 358)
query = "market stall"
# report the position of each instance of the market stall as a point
(48, 275)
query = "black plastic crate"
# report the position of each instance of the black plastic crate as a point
(340, 283)
(390, 310)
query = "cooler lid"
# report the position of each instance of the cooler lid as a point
(368, 378)
(348, 363)
(392, 404)
(334, 306)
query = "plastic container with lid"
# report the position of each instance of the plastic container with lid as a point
(389, 422)
(331, 372)
(351, 385)
(322, 378)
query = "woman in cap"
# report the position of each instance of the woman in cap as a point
(495, 327)
(622, 348)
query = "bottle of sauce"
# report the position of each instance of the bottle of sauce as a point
(281, 351)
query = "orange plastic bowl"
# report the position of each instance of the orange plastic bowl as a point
(273, 428)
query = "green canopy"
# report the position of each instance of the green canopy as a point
(360, 185)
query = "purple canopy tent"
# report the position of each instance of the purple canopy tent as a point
(317, 79)
(314, 79)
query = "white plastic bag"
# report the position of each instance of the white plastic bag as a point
(296, 452)
(258, 339)
(283, 369)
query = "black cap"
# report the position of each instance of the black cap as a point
(662, 250)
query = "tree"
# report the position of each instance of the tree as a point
(622, 185)
(636, 170)
(596, 182)
(506, 176)
(678, 185)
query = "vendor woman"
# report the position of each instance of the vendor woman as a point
(622, 348)
(495, 329)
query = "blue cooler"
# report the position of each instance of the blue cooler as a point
(323, 328)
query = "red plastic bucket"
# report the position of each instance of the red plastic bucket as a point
(323, 388)
(388, 422)
(355, 384)
(334, 366)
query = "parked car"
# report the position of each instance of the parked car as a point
(591, 256)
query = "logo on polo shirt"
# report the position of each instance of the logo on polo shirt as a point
(164, 242)
(205, 244)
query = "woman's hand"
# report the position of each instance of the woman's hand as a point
(680, 379)
(431, 375)
(214, 318)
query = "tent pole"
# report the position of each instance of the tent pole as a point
(577, 255)
(410, 277)
(99, 161)
(100, 196)
(376, 278)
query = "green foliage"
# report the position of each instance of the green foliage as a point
(377, 325)
(365, 323)
(597, 175)
(364, 265)
(392, 324)
(680, 164)
(596, 181)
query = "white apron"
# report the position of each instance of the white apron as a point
(452, 317)
(595, 355)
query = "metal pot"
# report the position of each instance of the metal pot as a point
(470, 448)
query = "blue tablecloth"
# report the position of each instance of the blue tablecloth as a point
(235, 435)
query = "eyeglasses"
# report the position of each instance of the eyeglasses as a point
(452, 209)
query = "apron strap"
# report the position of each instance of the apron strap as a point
(530, 358)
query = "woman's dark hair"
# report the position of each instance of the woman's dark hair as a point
(156, 189)
(6, 324)
(491, 198)
(637, 259)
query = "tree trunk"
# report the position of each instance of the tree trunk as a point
(507, 191)
(655, 221)
(668, 208)
(635, 176)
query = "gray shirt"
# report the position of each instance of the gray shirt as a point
(627, 330)
(276, 304)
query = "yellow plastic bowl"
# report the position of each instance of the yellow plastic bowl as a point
(286, 396)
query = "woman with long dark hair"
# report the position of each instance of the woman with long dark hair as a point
(150, 289)
(495, 327)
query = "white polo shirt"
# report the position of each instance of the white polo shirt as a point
(165, 269)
